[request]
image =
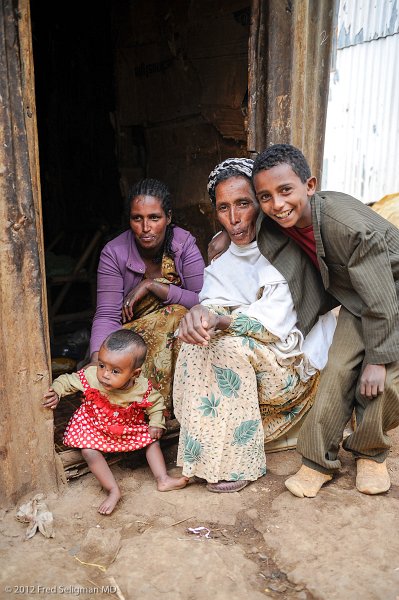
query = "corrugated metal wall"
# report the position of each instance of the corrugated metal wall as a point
(361, 153)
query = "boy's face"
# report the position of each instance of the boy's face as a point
(116, 370)
(283, 197)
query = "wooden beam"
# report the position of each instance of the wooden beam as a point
(289, 66)
(29, 462)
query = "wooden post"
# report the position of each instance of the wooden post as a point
(289, 65)
(29, 462)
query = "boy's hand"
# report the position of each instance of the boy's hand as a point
(372, 381)
(51, 399)
(218, 245)
(155, 432)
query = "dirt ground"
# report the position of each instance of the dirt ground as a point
(262, 542)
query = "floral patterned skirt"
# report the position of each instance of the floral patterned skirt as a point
(157, 329)
(230, 398)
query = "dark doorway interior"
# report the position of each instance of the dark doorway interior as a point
(81, 198)
(126, 90)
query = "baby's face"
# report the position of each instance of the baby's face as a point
(116, 370)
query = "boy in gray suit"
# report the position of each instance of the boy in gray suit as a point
(355, 253)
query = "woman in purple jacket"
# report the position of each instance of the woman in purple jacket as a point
(147, 279)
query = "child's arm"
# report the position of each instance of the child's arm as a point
(218, 245)
(371, 276)
(156, 426)
(64, 385)
(51, 399)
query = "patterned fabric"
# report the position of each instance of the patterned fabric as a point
(240, 166)
(121, 269)
(230, 398)
(107, 427)
(156, 323)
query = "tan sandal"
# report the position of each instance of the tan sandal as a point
(227, 487)
(307, 482)
(372, 477)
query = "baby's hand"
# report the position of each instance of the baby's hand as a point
(51, 399)
(155, 432)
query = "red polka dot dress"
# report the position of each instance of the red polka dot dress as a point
(107, 427)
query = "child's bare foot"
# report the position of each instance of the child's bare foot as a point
(110, 502)
(168, 483)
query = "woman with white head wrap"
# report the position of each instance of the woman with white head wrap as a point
(245, 375)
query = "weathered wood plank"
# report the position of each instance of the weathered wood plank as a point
(289, 64)
(29, 463)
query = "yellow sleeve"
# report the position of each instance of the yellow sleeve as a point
(155, 412)
(67, 384)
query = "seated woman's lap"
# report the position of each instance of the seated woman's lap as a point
(157, 329)
(215, 396)
(230, 398)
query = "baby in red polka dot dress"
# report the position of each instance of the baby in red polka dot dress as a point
(113, 416)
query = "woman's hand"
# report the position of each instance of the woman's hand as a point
(199, 325)
(155, 432)
(51, 399)
(218, 245)
(158, 289)
(134, 296)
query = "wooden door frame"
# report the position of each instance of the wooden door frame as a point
(288, 75)
(29, 461)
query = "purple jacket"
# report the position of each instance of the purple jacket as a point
(121, 268)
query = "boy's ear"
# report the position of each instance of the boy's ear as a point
(311, 185)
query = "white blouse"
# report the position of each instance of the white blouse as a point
(246, 282)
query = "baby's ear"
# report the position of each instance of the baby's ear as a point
(136, 372)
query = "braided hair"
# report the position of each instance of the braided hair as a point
(159, 190)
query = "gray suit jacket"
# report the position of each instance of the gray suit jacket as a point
(358, 254)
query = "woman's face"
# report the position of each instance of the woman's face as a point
(237, 209)
(148, 222)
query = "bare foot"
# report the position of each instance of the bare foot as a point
(110, 502)
(167, 483)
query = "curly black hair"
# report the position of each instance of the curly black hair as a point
(279, 154)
